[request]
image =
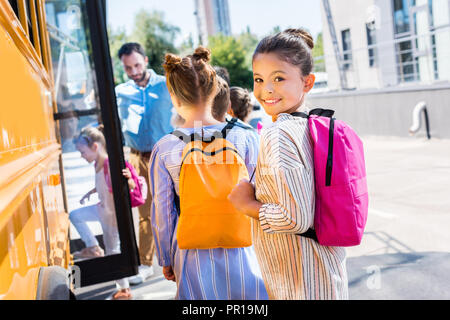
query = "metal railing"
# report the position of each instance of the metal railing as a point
(421, 107)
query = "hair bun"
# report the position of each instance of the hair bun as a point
(202, 53)
(101, 128)
(171, 62)
(302, 33)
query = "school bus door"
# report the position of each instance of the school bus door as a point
(84, 89)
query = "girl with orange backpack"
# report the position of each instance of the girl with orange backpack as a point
(202, 242)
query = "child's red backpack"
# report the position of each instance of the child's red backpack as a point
(342, 198)
(138, 195)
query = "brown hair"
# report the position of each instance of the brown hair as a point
(191, 79)
(241, 102)
(223, 73)
(129, 48)
(222, 100)
(89, 135)
(293, 46)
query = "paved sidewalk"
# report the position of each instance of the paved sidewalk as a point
(154, 288)
(409, 203)
(405, 252)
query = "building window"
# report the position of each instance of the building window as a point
(221, 17)
(401, 15)
(371, 43)
(407, 61)
(407, 64)
(346, 49)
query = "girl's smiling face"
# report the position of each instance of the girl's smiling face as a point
(278, 85)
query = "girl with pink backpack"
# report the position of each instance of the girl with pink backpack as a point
(92, 146)
(287, 201)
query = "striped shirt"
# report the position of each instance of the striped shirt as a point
(293, 267)
(209, 274)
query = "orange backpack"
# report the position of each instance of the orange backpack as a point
(209, 170)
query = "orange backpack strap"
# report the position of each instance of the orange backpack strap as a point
(196, 137)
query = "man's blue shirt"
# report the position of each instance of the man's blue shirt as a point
(145, 113)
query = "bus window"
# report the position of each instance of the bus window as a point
(27, 21)
(14, 6)
(26, 12)
(95, 234)
(35, 27)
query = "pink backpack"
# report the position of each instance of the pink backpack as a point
(138, 195)
(342, 199)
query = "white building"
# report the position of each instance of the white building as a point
(212, 17)
(385, 43)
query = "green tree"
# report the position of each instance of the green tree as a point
(116, 39)
(249, 41)
(187, 46)
(275, 30)
(156, 35)
(228, 52)
(318, 54)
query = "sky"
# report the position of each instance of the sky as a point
(260, 15)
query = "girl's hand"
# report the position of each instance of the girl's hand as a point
(243, 199)
(86, 196)
(126, 173)
(168, 273)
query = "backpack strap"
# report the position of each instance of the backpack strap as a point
(322, 112)
(330, 154)
(186, 137)
(107, 175)
(311, 234)
(176, 201)
(196, 137)
(300, 114)
(230, 125)
(328, 114)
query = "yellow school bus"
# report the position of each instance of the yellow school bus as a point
(36, 127)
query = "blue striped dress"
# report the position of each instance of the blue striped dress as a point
(208, 274)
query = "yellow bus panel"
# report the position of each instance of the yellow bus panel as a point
(33, 224)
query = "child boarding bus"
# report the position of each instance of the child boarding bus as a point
(56, 79)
